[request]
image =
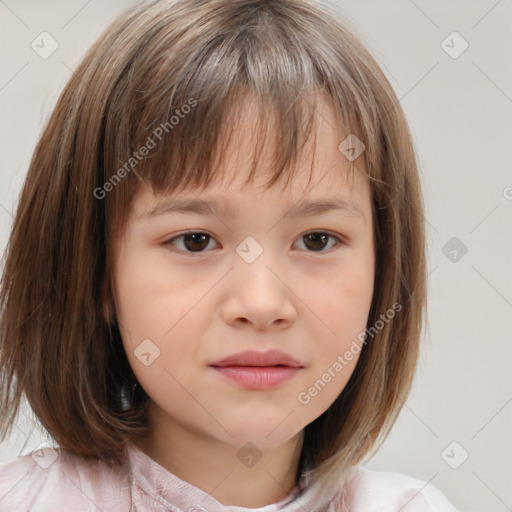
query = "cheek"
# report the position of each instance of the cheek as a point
(344, 309)
(343, 298)
(338, 347)
(351, 296)
(151, 296)
(157, 311)
(342, 303)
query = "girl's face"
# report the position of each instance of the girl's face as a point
(262, 273)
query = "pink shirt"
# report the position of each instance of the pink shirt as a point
(48, 480)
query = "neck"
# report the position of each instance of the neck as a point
(239, 476)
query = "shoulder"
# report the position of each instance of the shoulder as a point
(368, 491)
(51, 480)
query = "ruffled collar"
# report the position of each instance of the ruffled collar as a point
(156, 489)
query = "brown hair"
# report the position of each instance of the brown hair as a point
(56, 345)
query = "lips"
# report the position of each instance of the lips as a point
(255, 358)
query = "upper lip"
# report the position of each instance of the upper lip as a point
(255, 358)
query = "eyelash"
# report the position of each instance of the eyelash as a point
(339, 241)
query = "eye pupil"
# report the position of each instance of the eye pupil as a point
(196, 238)
(320, 238)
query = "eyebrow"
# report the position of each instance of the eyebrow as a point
(221, 209)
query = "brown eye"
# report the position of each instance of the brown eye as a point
(192, 242)
(197, 242)
(316, 241)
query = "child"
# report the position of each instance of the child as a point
(254, 372)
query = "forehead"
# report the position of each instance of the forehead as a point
(310, 192)
(321, 151)
(321, 168)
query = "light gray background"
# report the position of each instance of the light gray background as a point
(460, 115)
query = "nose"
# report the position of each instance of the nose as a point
(260, 295)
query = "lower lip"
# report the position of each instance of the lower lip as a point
(258, 377)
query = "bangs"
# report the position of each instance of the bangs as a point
(180, 100)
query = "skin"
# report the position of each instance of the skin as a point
(307, 298)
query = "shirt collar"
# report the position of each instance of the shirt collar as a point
(154, 488)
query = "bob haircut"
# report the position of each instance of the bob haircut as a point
(168, 76)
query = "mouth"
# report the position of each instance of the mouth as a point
(253, 366)
(256, 370)
(259, 378)
(255, 359)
